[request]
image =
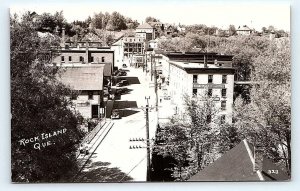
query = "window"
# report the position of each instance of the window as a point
(210, 78)
(224, 79)
(222, 119)
(208, 118)
(209, 93)
(62, 58)
(223, 92)
(90, 93)
(195, 78)
(70, 58)
(81, 59)
(223, 105)
(194, 92)
(102, 59)
(92, 59)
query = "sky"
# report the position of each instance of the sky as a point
(211, 13)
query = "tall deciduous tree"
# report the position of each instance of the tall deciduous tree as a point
(39, 107)
(267, 119)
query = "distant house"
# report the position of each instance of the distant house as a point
(145, 31)
(241, 164)
(244, 30)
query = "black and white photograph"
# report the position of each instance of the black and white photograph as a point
(133, 91)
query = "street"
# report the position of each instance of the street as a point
(113, 155)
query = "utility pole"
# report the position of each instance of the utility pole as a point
(147, 138)
(151, 66)
(155, 85)
(148, 146)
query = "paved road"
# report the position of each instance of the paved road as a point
(114, 151)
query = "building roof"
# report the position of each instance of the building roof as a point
(237, 165)
(83, 77)
(244, 28)
(144, 26)
(210, 56)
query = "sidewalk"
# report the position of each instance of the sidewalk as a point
(95, 142)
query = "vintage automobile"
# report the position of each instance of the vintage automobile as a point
(115, 114)
(125, 82)
(119, 84)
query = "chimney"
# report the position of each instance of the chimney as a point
(205, 61)
(87, 52)
(76, 39)
(63, 37)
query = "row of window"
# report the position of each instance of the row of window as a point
(209, 92)
(130, 40)
(81, 59)
(90, 96)
(210, 79)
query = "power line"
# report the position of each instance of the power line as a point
(133, 168)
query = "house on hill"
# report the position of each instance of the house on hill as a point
(145, 31)
(241, 163)
(244, 30)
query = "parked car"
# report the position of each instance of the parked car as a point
(115, 114)
(119, 84)
(122, 73)
(122, 91)
(125, 82)
(83, 149)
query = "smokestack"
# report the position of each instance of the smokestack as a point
(63, 36)
(87, 52)
(205, 61)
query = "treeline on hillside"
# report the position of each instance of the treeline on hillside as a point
(47, 22)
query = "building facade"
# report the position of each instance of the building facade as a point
(244, 30)
(199, 76)
(133, 45)
(87, 81)
(145, 31)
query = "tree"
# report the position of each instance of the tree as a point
(196, 140)
(151, 19)
(39, 107)
(116, 22)
(232, 30)
(173, 143)
(267, 118)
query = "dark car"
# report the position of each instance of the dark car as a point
(119, 84)
(115, 114)
(125, 82)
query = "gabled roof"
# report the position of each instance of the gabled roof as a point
(83, 77)
(237, 165)
(244, 28)
(144, 26)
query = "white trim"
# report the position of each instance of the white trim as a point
(249, 151)
(260, 176)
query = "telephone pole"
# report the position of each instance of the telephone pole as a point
(147, 138)
(155, 84)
